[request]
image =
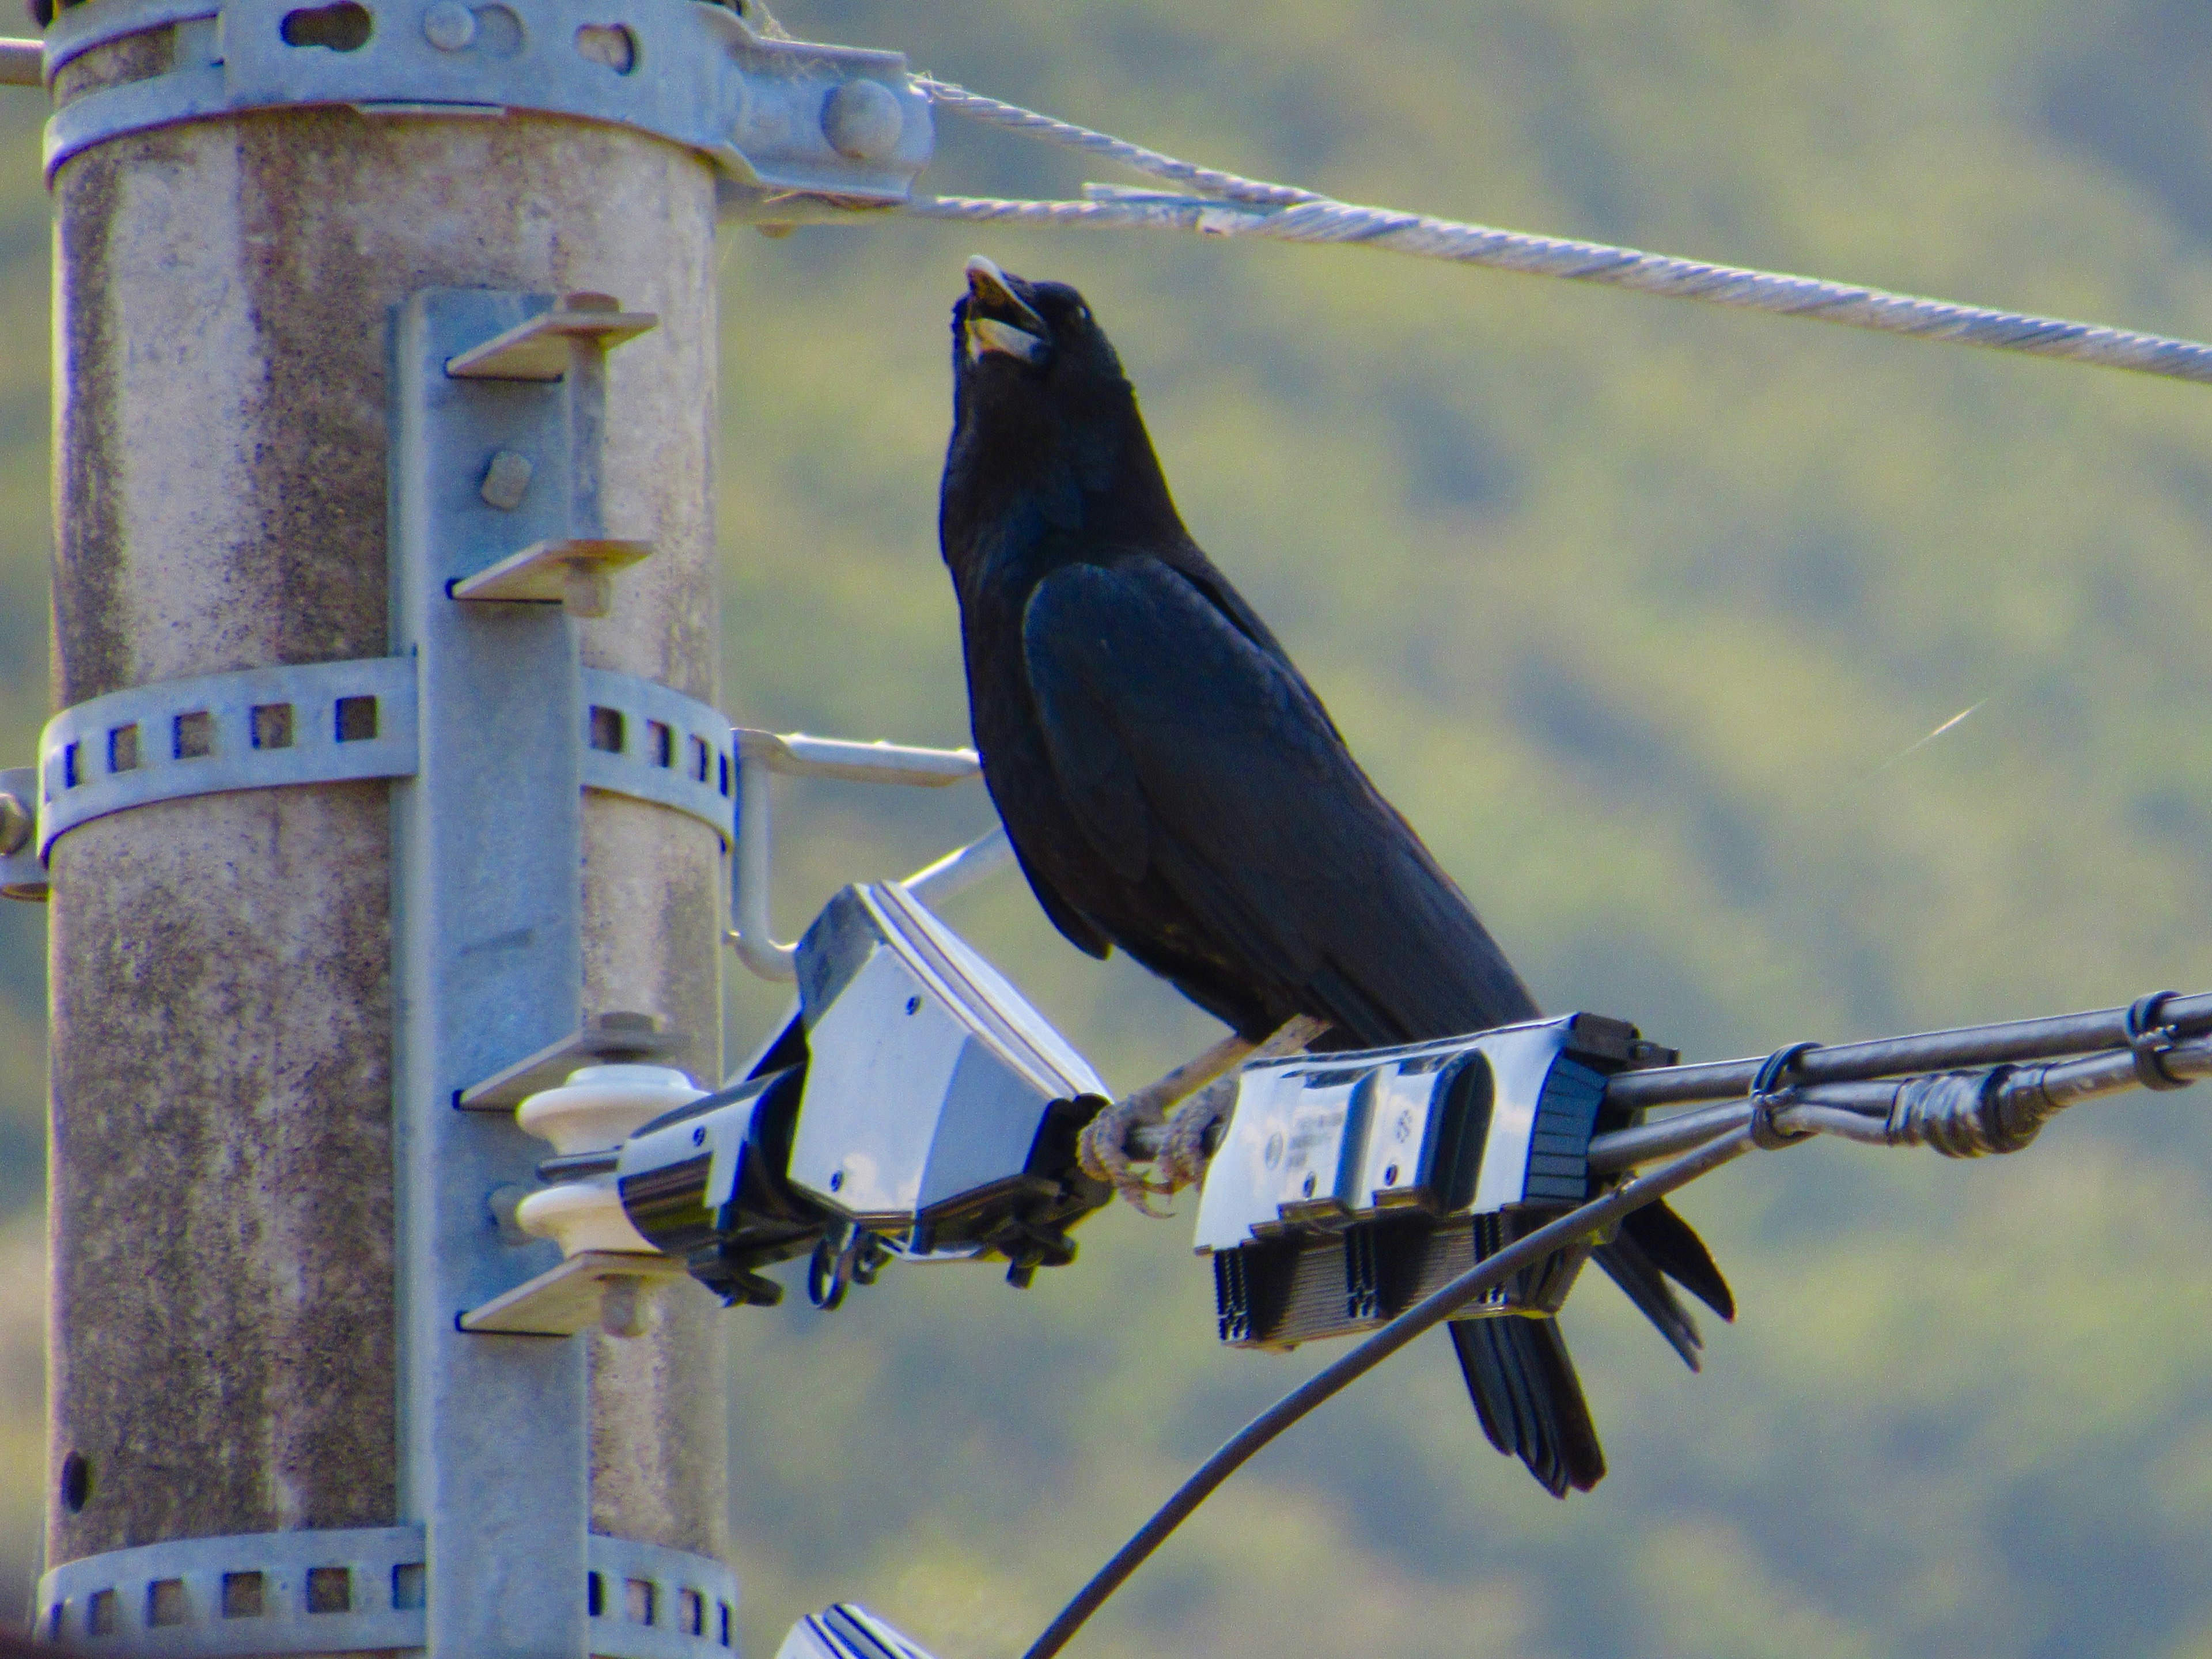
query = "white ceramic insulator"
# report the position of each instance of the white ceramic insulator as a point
(600, 1106)
(580, 1216)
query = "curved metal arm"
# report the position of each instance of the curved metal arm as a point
(761, 754)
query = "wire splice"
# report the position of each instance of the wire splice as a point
(1771, 1090)
(2151, 1041)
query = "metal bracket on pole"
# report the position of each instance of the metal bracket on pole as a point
(324, 722)
(778, 118)
(354, 1591)
(487, 925)
(762, 754)
(22, 872)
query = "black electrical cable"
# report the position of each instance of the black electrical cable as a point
(1340, 1373)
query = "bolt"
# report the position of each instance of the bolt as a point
(862, 120)
(449, 26)
(15, 825)
(623, 1311)
(699, 1136)
(506, 478)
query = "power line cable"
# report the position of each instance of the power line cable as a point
(1348, 1368)
(1229, 204)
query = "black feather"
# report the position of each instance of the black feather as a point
(1679, 1254)
(1641, 1281)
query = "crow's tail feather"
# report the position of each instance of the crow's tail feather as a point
(1679, 1253)
(1530, 1401)
(1641, 1281)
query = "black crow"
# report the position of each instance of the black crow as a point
(1173, 785)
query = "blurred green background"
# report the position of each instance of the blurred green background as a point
(1635, 610)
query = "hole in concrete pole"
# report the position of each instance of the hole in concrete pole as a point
(698, 759)
(723, 1638)
(101, 1617)
(272, 726)
(343, 27)
(165, 1601)
(194, 735)
(77, 1482)
(241, 1596)
(607, 44)
(330, 1589)
(407, 1584)
(722, 770)
(69, 766)
(595, 1595)
(691, 1613)
(607, 730)
(660, 744)
(356, 720)
(123, 747)
(637, 1599)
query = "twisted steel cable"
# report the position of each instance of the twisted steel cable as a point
(1229, 205)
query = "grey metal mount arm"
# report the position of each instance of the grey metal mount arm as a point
(779, 119)
(762, 755)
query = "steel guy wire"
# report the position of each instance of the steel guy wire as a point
(1228, 204)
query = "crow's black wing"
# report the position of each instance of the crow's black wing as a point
(1190, 753)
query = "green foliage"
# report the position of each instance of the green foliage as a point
(1635, 610)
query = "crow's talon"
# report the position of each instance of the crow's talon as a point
(1101, 1151)
(1184, 1155)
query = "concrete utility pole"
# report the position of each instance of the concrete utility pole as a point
(252, 1219)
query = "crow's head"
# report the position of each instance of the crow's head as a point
(1045, 427)
(1015, 341)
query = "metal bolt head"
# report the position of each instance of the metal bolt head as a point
(16, 823)
(623, 1308)
(449, 26)
(506, 479)
(862, 119)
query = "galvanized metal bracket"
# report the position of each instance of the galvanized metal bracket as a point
(364, 1589)
(776, 118)
(571, 1297)
(326, 722)
(487, 923)
(762, 756)
(314, 723)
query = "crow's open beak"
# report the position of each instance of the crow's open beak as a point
(1000, 320)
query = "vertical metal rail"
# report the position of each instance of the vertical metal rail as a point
(488, 952)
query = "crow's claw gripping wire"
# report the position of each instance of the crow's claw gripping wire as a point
(1102, 1150)
(1183, 1155)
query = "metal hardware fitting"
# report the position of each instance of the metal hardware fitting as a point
(776, 118)
(608, 1036)
(761, 754)
(487, 966)
(571, 1297)
(22, 872)
(357, 1591)
(644, 740)
(312, 723)
(327, 723)
(565, 343)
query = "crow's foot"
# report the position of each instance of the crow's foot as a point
(1103, 1148)
(1183, 1152)
(1100, 1149)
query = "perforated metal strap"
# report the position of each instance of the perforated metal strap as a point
(358, 1590)
(330, 722)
